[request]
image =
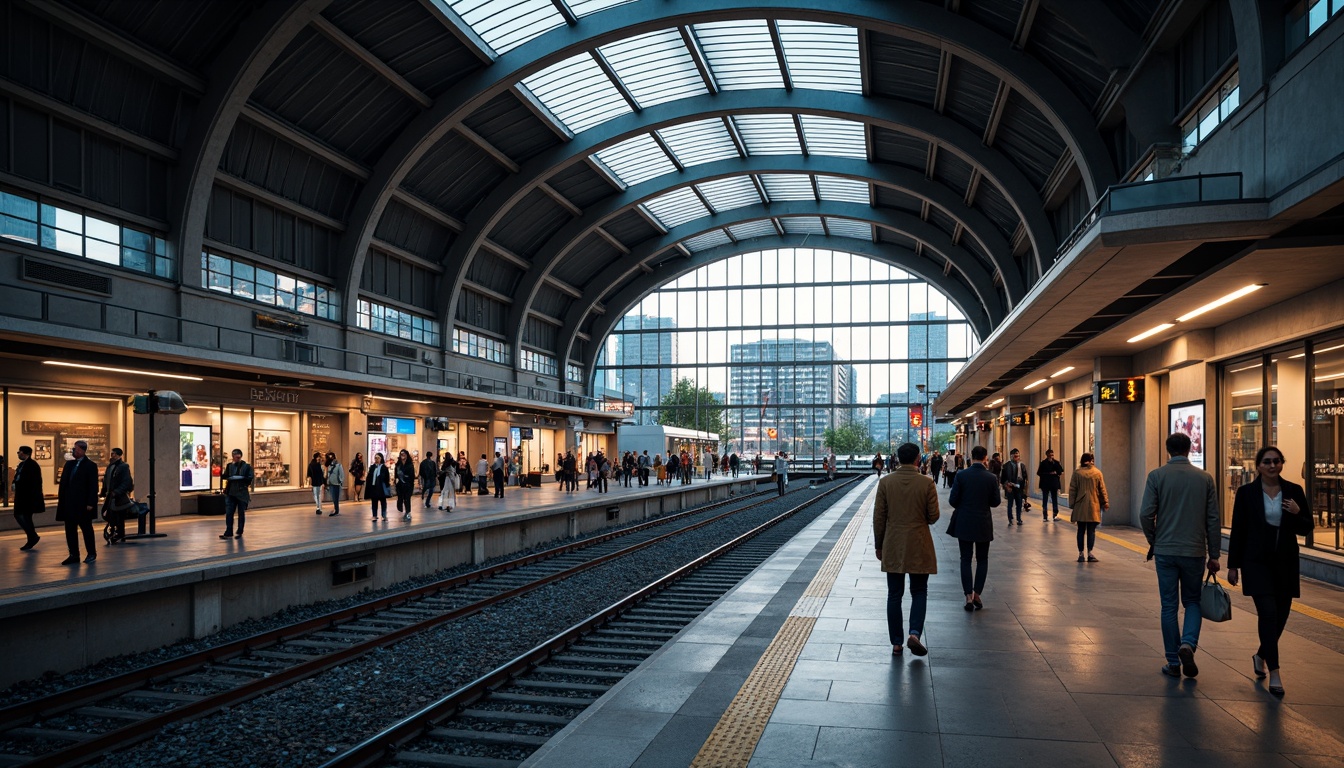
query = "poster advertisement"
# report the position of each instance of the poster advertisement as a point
(194, 443)
(1188, 420)
(268, 457)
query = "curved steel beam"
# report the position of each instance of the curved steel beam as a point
(562, 242)
(957, 34)
(1114, 44)
(1258, 51)
(631, 294)
(232, 76)
(885, 113)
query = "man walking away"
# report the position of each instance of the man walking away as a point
(906, 505)
(782, 471)
(498, 470)
(1014, 479)
(482, 469)
(76, 499)
(975, 493)
(1180, 521)
(28, 495)
(429, 478)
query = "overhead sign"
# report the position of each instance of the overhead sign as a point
(1024, 419)
(1121, 390)
(524, 433)
(618, 406)
(916, 415)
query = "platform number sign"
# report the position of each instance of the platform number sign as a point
(1120, 391)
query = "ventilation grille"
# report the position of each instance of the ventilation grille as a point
(401, 351)
(64, 277)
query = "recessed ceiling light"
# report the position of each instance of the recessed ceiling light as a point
(1061, 371)
(996, 402)
(132, 371)
(1035, 383)
(1216, 303)
(1150, 332)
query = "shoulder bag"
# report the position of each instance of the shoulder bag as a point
(1215, 604)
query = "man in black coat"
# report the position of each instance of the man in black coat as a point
(975, 493)
(28, 500)
(117, 487)
(1051, 474)
(76, 501)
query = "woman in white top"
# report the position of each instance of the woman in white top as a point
(781, 471)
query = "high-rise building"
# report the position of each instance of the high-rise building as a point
(646, 359)
(927, 342)
(799, 388)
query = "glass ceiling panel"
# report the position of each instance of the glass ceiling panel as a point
(803, 225)
(843, 190)
(655, 67)
(676, 207)
(823, 56)
(635, 160)
(768, 134)
(734, 192)
(702, 141)
(583, 8)
(788, 186)
(762, 228)
(578, 92)
(507, 24)
(740, 54)
(850, 228)
(834, 136)
(706, 241)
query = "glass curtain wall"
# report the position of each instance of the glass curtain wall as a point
(802, 350)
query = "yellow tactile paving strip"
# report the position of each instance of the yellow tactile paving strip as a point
(735, 736)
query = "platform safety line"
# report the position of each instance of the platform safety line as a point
(738, 731)
(1305, 610)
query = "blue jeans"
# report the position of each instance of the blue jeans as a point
(919, 601)
(1046, 496)
(1179, 577)
(1015, 498)
(231, 505)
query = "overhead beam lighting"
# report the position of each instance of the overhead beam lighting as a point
(399, 399)
(1319, 351)
(1150, 332)
(996, 402)
(1216, 303)
(1061, 372)
(1035, 383)
(132, 371)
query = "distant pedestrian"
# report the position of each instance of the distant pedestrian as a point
(659, 470)
(403, 474)
(1087, 498)
(781, 471)
(936, 466)
(448, 483)
(1268, 514)
(1180, 521)
(76, 500)
(497, 469)
(906, 505)
(335, 483)
(378, 485)
(429, 478)
(878, 464)
(482, 470)
(29, 497)
(317, 478)
(975, 493)
(995, 464)
(238, 478)
(1014, 479)
(645, 464)
(1050, 475)
(357, 476)
(116, 493)
(734, 462)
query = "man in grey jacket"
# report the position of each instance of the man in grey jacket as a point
(1180, 521)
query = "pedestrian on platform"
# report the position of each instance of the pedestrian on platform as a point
(357, 476)
(448, 483)
(317, 478)
(497, 469)
(1050, 474)
(672, 466)
(935, 466)
(1180, 521)
(1087, 497)
(378, 486)
(116, 493)
(570, 469)
(429, 478)
(995, 464)
(4, 480)
(878, 464)
(781, 471)
(975, 494)
(1268, 514)
(29, 497)
(906, 505)
(482, 471)
(238, 478)
(645, 464)
(1014, 479)
(659, 470)
(335, 483)
(404, 474)
(464, 471)
(76, 500)
(734, 462)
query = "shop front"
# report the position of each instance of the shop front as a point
(50, 422)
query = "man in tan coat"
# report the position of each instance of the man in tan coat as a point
(907, 504)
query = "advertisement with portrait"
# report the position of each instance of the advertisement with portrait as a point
(194, 441)
(1188, 419)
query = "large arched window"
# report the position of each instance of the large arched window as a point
(783, 345)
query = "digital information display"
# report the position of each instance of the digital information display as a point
(1120, 391)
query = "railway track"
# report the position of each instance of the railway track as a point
(501, 718)
(75, 726)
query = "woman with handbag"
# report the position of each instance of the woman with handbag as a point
(1268, 514)
(379, 486)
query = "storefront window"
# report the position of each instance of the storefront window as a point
(1327, 439)
(269, 441)
(1242, 424)
(50, 425)
(1084, 439)
(1288, 410)
(1050, 431)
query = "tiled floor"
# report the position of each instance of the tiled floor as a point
(1060, 668)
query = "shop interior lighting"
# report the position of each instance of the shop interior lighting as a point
(1216, 303)
(65, 397)
(996, 402)
(132, 371)
(399, 399)
(1150, 332)
(1035, 383)
(1061, 372)
(1247, 368)
(1300, 355)
(1330, 376)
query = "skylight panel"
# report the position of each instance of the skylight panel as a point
(761, 228)
(740, 54)
(507, 24)
(712, 239)
(583, 8)
(768, 134)
(733, 192)
(822, 56)
(635, 160)
(676, 207)
(788, 186)
(850, 228)
(802, 225)
(655, 67)
(834, 136)
(578, 92)
(843, 190)
(702, 141)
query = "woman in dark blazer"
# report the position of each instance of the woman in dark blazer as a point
(1268, 514)
(28, 497)
(377, 485)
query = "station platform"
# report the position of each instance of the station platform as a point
(190, 583)
(794, 668)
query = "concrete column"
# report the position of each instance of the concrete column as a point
(168, 476)
(1112, 423)
(478, 546)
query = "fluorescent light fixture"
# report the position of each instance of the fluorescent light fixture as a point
(1150, 332)
(1319, 351)
(996, 402)
(400, 399)
(132, 371)
(1035, 383)
(1247, 368)
(1216, 303)
(1061, 372)
(1330, 376)
(970, 413)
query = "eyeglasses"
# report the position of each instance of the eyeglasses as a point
(1271, 461)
